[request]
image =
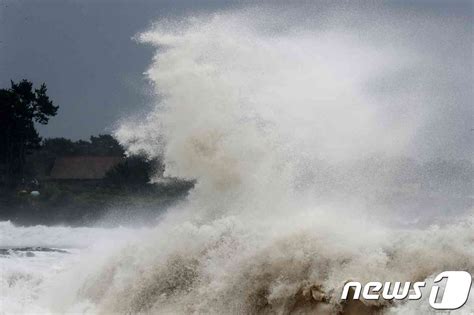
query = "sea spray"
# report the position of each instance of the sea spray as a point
(295, 161)
(307, 175)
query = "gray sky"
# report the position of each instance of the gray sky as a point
(84, 51)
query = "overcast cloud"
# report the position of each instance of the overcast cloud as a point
(84, 51)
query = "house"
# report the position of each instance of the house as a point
(82, 168)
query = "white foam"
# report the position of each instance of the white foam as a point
(298, 169)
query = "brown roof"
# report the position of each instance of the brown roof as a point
(83, 167)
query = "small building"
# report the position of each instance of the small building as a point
(83, 168)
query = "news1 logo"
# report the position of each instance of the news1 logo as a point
(454, 296)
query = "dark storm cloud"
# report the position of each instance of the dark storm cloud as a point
(83, 50)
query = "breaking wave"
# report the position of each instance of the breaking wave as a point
(308, 174)
(303, 180)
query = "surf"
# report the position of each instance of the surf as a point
(308, 174)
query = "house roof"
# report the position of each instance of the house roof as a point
(83, 167)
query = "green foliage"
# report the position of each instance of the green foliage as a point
(105, 145)
(21, 107)
(102, 145)
(58, 147)
(133, 172)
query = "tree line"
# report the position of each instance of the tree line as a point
(21, 107)
(24, 154)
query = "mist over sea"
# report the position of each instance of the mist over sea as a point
(325, 145)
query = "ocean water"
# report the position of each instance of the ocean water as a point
(37, 259)
(222, 267)
(321, 154)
